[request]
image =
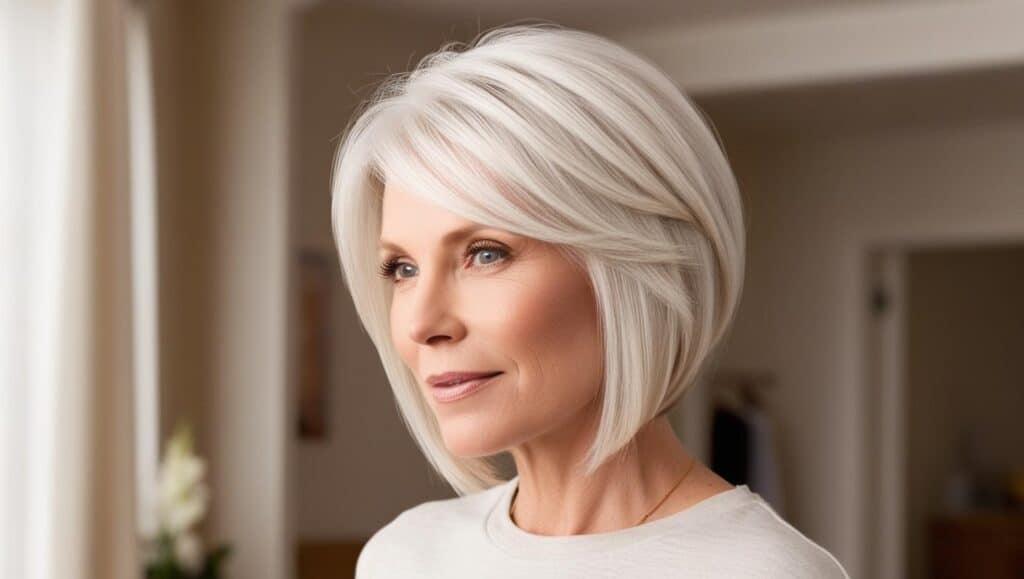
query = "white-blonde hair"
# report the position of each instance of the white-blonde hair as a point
(567, 137)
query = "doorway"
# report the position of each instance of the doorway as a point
(945, 359)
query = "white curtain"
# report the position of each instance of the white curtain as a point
(68, 293)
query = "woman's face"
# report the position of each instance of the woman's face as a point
(469, 298)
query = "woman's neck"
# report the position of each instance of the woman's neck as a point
(554, 498)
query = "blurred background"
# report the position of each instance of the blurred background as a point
(168, 259)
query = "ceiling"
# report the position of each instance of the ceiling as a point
(602, 15)
(941, 99)
(861, 103)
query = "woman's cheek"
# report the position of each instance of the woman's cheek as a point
(547, 316)
(399, 334)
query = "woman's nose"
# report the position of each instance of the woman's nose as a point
(431, 318)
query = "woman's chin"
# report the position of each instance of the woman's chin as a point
(469, 441)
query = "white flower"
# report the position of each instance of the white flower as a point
(180, 473)
(188, 551)
(182, 512)
(182, 496)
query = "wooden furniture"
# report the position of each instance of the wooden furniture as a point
(327, 560)
(982, 544)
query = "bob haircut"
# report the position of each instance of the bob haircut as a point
(566, 137)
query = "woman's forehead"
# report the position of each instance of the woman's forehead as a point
(408, 219)
(401, 203)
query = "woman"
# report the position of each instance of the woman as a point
(545, 242)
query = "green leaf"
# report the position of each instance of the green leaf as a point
(214, 559)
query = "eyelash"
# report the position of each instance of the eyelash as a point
(388, 268)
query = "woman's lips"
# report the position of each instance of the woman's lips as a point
(462, 389)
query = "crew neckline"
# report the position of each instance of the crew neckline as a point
(507, 536)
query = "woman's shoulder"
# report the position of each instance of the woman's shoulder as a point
(404, 534)
(775, 547)
(737, 533)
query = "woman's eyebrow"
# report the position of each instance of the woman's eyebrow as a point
(450, 237)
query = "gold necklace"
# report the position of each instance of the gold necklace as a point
(512, 509)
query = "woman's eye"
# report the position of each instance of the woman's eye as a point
(482, 256)
(389, 267)
(403, 268)
(488, 255)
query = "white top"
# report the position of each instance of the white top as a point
(733, 534)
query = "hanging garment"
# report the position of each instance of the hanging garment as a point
(730, 444)
(765, 474)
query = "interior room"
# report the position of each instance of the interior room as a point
(869, 389)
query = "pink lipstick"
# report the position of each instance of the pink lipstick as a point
(450, 387)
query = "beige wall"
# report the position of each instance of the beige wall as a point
(221, 106)
(369, 469)
(814, 204)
